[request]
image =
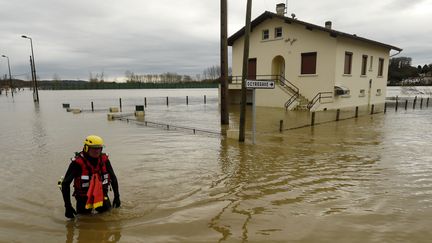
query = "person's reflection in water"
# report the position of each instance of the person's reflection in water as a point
(92, 229)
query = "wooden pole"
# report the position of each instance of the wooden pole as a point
(224, 63)
(397, 103)
(167, 101)
(421, 103)
(313, 119)
(92, 106)
(280, 125)
(372, 109)
(187, 100)
(205, 99)
(414, 103)
(120, 105)
(337, 114)
(245, 72)
(145, 102)
(406, 104)
(356, 112)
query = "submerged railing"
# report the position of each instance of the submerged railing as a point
(318, 97)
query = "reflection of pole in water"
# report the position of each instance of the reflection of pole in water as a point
(235, 174)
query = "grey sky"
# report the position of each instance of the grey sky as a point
(73, 38)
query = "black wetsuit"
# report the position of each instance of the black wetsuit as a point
(74, 171)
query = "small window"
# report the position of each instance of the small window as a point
(371, 64)
(378, 93)
(348, 62)
(265, 34)
(380, 67)
(364, 65)
(362, 93)
(308, 63)
(278, 32)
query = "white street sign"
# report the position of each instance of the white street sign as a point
(260, 84)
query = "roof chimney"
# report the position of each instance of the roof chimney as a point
(328, 25)
(280, 9)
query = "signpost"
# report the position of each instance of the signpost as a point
(257, 84)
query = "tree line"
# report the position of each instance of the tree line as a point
(209, 74)
(401, 72)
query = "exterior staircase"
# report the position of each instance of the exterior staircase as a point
(302, 104)
(296, 101)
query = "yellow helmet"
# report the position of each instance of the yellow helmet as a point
(93, 141)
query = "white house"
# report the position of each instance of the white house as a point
(314, 66)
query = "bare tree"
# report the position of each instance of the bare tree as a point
(56, 77)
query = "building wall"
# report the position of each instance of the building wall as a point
(271, 97)
(355, 81)
(296, 39)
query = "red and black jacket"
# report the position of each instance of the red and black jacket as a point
(81, 166)
(82, 181)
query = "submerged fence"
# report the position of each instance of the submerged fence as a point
(306, 119)
(167, 126)
(406, 103)
(167, 101)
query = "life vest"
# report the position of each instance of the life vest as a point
(82, 182)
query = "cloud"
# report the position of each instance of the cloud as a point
(73, 38)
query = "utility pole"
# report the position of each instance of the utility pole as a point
(33, 79)
(10, 75)
(33, 69)
(224, 63)
(245, 72)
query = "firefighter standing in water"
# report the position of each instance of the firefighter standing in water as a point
(92, 175)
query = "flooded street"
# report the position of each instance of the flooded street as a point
(358, 180)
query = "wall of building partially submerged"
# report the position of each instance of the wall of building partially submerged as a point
(297, 39)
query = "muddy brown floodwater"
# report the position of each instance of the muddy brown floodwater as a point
(358, 180)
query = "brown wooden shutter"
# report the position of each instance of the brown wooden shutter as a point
(308, 63)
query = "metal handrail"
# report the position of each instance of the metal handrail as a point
(318, 97)
(282, 80)
(291, 100)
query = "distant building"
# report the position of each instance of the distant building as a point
(309, 62)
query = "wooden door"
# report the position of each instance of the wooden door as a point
(252, 69)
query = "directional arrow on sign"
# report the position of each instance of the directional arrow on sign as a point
(260, 84)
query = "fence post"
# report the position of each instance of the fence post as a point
(92, 106)
(397, 104)
(406, 104)
(313, 119)
(145, 102)
(421, 103)
(120, 105)
(337, 114)
(205, 99)
(414, 103)
(167, 100)
(356, 112)
(372, 109)
(187, 100)
(427, 102)
(280, 125)
(385, 107)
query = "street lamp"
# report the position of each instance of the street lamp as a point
(10, 76)
(33, 69)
